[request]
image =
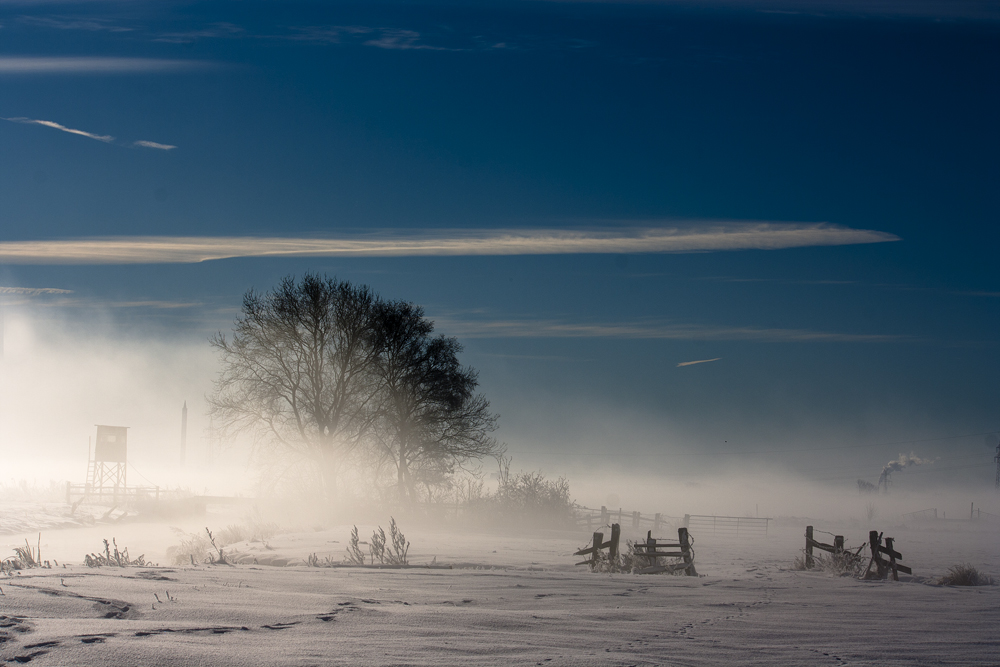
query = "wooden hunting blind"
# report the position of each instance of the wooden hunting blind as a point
(107, 472)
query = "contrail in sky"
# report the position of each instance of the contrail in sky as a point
(28, 65)
(705, 237)
(700, 361)
(106, 138)
(153, 144)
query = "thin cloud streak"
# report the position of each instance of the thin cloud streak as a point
(525, 328)
(705, 238)
(87, 65)
(700, 361)
(106, 138)
(925, 9)
(73, 23)
(34, 291)
(153, 144)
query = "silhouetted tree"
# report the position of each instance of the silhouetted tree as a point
(430, 420)
(297, 370)
(323, 368)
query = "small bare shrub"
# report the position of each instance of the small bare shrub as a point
(844, 564)
(198, 548)
(119, 558)
(392, 551)
(29, 557)
(314, 561)
(400, 545)
(965, 575)
(376, 547)
(354, 554)
(193, 548)
(221, 560)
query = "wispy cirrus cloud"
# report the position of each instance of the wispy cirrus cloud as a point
(153, 144)
(402, 40)
(699, 361)
(926, 9)
(74, 23)
(705, 237)
(213, 31)
(106, 138)
(551, 328)
(89, 65)
(382, 38)
(328, 34)
(33, 291)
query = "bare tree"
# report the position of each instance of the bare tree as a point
(327, 370)
(297, 370)
(430, 420)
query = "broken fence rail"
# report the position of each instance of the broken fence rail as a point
(654, 548)
(837, 548)
(885, 567)
(651, 550)
(599, 544)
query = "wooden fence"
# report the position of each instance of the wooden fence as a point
(653, 548)
(837, 549)
(737, 526)
(598, 545)
(884, 567)
(649, 551)
(595, 518)
(121, 495)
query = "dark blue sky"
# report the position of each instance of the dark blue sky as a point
(334, 120)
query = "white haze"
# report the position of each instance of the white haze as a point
(61, 377)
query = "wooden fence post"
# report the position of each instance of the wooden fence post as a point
(616, 531)
(598, 543)
(619, 516)
(651, 547)
(605, 516)
(838, 544)
(874, 541)
(809, 548)
(687, 520)
(892, 558)
(682, 535)
(656, 522)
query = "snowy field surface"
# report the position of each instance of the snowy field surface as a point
(506, 600)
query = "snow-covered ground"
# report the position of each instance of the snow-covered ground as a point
(509, 599)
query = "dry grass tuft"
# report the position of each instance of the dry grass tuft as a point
(844, 564)
(25, 558)
(965, 575)
(116, 559)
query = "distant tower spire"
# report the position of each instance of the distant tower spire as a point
(184, 431)
(997, 459)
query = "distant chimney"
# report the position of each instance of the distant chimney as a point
(184, 431)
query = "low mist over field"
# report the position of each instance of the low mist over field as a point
(564, 333)
(64, 373)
